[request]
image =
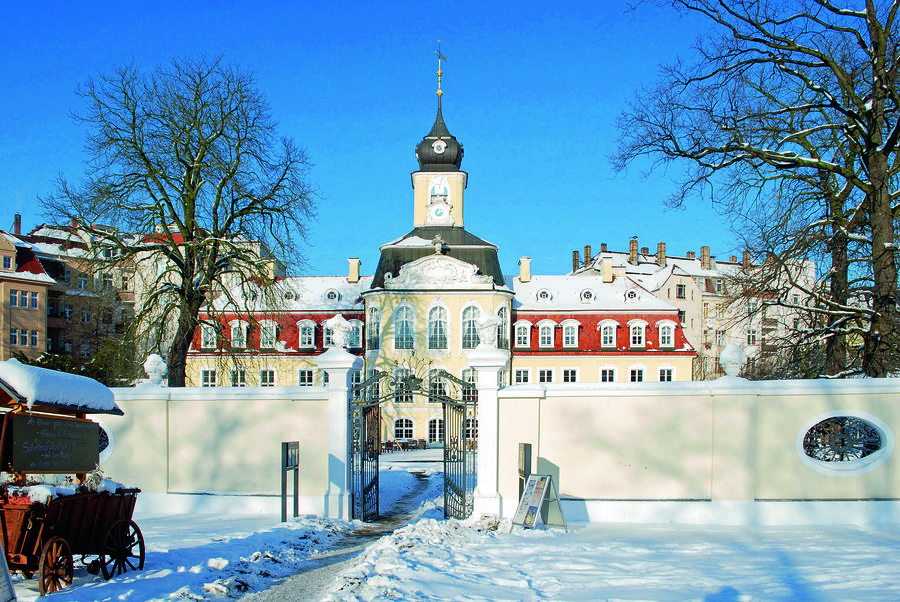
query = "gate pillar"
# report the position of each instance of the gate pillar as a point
(487, 362)
(338, 363)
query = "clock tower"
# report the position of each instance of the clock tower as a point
(439, 183)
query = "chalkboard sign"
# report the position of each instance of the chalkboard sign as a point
(43, 444)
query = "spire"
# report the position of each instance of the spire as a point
(439, 150)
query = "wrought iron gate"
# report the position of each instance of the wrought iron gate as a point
(459, 400)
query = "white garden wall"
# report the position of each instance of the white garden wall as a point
(724, 452)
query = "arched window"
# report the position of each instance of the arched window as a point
(402, 388)
(546, 329)
(637, 330)
(666, 334)
(570, 334)
(355, 339)
(239, 333)
(437, 387)
(373, 328)
(469, 329)
(503, 328)
(403, 428)
(307, 334)
(436, 430)
(608, 334)
(437, 328)
(268, 334)
(523, 334)
(404, 328)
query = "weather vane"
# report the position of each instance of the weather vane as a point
(441, 57)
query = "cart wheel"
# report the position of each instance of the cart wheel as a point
(123, 549)
(56, 566)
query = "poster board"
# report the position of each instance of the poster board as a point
(50, 445)
(539, 504)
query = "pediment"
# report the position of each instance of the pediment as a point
(439, 272)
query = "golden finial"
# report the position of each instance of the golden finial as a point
(441, 57)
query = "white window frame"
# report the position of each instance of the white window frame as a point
(208, 336)
(373, 328)
(503, 328)
(327, 336)
(682, 289)
(470, 375)
(570, 325)
(206, 381)
(408, 426)
(661, 327)
(566, 371)
(404, 397)
(238, 377)
(273, 382)
(311, 326)
(310, 372)
(34, 301)
(523, 326)
(752, 335)
(671, 374)
(637, 334)
(355, 338)
(407, 338)
(526, 372)
(608, 326)
(242, 327)
(436, 431)
(469, 321)
(608, 369)
(642, 369)
(34, 338)
(266, 328)
(438, 328)
(545, 326)
(543, 372)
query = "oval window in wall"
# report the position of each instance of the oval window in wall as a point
(845, 444)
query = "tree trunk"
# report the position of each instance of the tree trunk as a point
(839, 291)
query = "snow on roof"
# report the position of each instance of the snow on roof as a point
(585, 292)
(648, 265)
(306, 293)
(56, 389)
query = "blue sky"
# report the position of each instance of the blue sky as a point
(531, 90)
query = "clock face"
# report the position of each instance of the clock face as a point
(438, 211)
(439, 146)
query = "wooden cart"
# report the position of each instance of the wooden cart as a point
(47, 435)
(42, 538)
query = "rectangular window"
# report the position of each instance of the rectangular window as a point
(13, 337)
(207, 378)
(665, 375)
(82, 281)
(680, 290)
(570, 375)
(570, 336)
(637, 375)
(107, 282)
(306, 377)
(720, 310)
(266, 377)
(752, 336)
(720, 286)
(681, 315)
(34, 300)
(34, 338)
(355, 341)
(7, 262)
(522, 376)
(720, 338)
(207, 336)
(637, 336)
(545, 375)
(608, 336)
(238, 378)
(706, 310)
(327, 337)
(306, 336)
(607, 375)
(267, 336)
(85, 315)
(85, 350)
(546, 336)
(68, 310)
(13, 298)
(23, 298)
(522, 335)
(238, 336)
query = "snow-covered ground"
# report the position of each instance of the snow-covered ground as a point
(216, 558)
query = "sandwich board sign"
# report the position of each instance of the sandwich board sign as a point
(539, 504)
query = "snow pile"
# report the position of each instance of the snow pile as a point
(42, 493)
(60, 389)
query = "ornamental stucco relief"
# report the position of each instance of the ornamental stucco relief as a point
(439, 271)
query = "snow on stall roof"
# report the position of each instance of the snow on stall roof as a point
(56, 389)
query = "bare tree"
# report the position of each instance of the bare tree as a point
(801, 91)
(189, 186)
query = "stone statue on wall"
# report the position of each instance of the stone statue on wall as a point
(340, 330)
(732, 359)
(487, 326)
(156, 369)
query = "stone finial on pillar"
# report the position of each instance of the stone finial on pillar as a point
(732, 359)
(156, 369)
(487, 325)
(340, 330)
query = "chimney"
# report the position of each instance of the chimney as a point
(661, 254)
(645, 251)
(17, 224)
(633, 251)
(603, 247)
(353, 276)
(587, 255)
(746, 259)
(704, 258)
(733, 259)
(606, 272)
(691, 255)
(576, 263)
(525, 269)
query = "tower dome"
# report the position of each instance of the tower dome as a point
(439, 150)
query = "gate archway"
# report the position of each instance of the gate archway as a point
(459, 402)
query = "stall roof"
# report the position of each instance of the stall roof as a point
(49, 388)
